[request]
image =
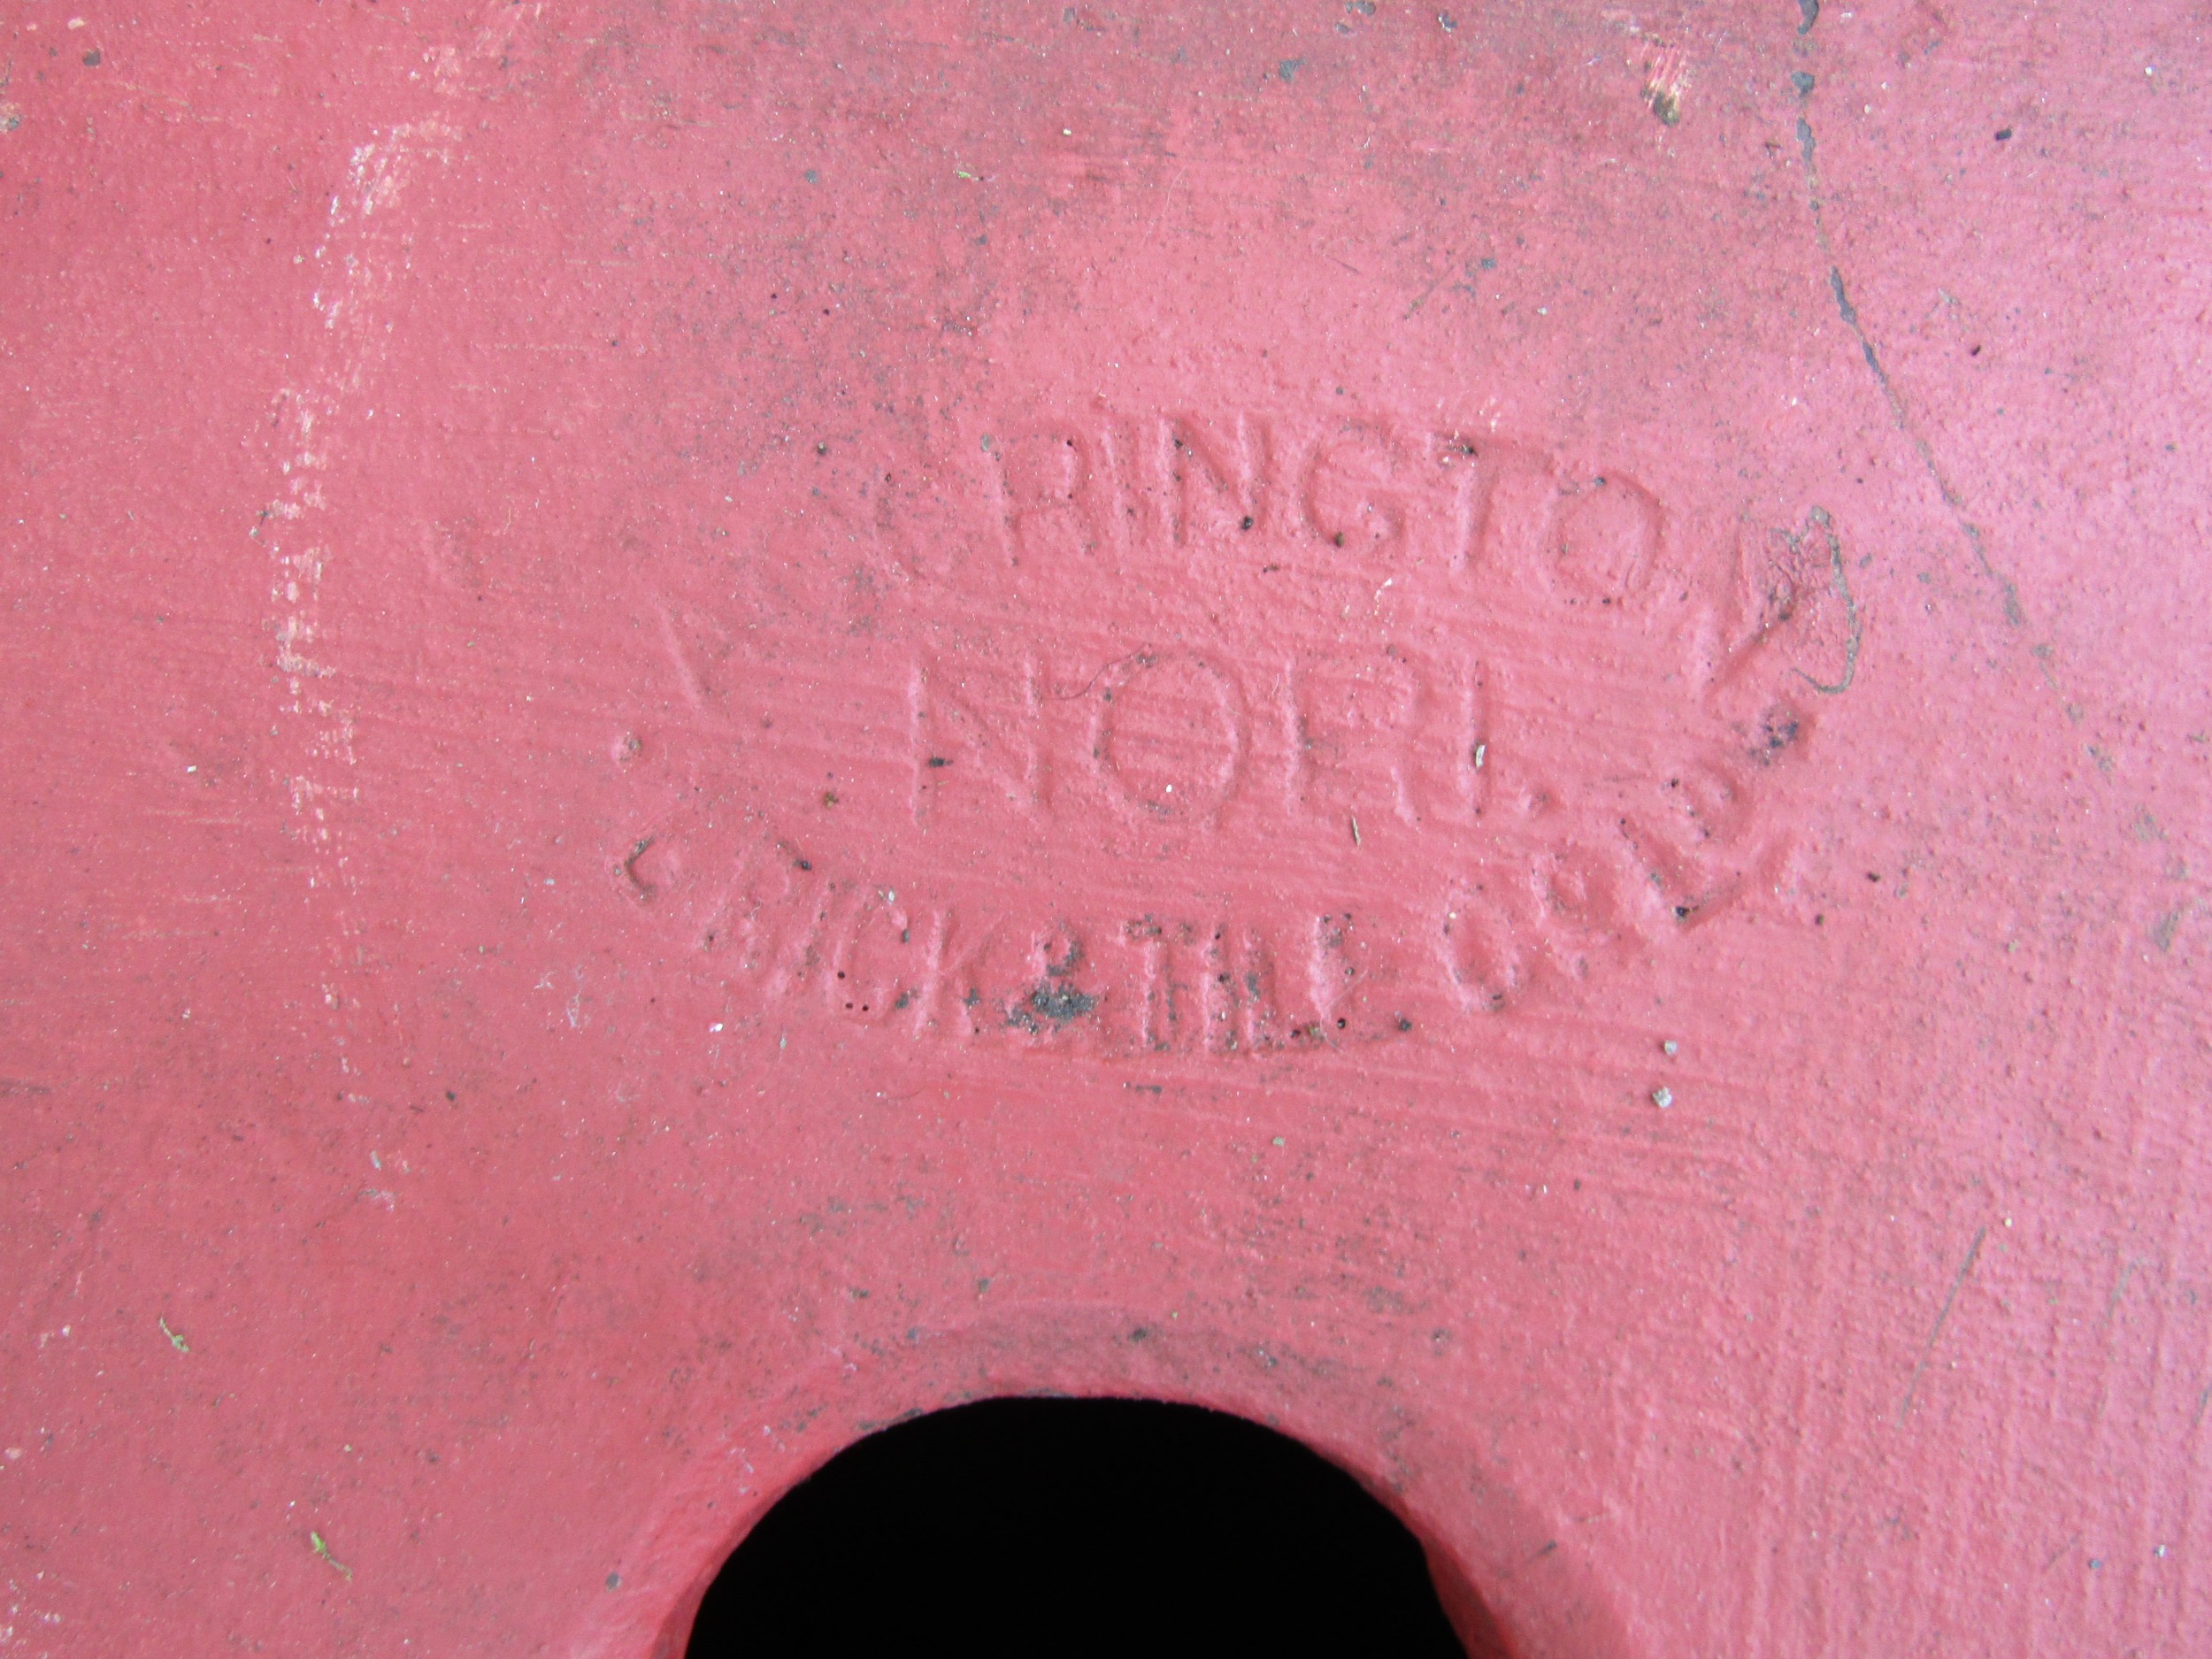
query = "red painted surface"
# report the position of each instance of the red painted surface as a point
(1569, 858)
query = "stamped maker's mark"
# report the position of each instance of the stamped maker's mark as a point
(1377, 727)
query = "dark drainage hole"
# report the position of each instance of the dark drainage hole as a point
(1044, 1527)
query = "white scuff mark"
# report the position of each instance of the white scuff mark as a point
(363, 249)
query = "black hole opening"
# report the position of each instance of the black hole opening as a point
(1079, 1527)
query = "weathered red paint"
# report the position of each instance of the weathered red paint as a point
(1568, 657)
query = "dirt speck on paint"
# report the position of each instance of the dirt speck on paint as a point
(1061, 1003)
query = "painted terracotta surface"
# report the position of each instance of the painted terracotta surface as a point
(1482, 732)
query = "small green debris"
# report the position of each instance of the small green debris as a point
(175, 1341)
(315, 1542)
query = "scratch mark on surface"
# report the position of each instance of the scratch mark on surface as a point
(1667, 79)
(1900, 416)
(2119, 1289)
(1927, 1353)
(1840, 584)
(694, 688)
(1083, 690)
